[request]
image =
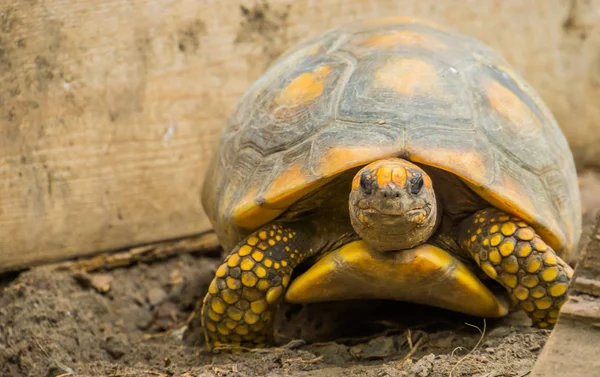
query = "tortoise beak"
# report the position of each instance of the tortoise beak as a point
(425, 275)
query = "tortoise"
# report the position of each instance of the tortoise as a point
(392, 158)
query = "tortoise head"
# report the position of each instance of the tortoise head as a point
(393, 205)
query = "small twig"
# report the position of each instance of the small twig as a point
(474, 348)
(62, 366)
(303, 361)
(409, 338)
(413, 349)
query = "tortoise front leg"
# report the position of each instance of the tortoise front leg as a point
(238, 309)
(510, 252)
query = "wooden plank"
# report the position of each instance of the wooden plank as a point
(109, 111)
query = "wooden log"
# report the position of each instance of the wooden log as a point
(110, 111)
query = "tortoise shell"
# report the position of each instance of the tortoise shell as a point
(392, 87)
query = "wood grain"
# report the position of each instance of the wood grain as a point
(110, 111)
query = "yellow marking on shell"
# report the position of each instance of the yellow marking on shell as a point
(494, 256)
(508, 280)
(247, 264)
(222, 271)
(260, 271)
(508, 229)
(262, 235)
(530, 281)
(284, 263)
(338, 159)
(473, 238)
(278, 238)
(285, 281)
(527, 306)
(507, 247)
(290, 184)
(230, 296)
(244, 250)
(211, 327)
(271, 242)
(550, 259)
(242, 330)
(558, 289)
(404, 38)
(249, 279)
(550, 274)
(489, 270)
(494, 228)
(508, 104)
(503, 218)
(263, 284)
(305, 88)
(523, 249)
(551, 320)
(258, 256)
(534, 264)
(234, 313)
(214, 316)
(268, 263)
(543, 303)
(553, 314)
(525, 234)
(217, 305)
(233, 261)
(485, 242)
(212, 288)
(252, 241)
(263, 246)
(521, 293)
(259, 306)
(276, 265)
(495, 240)
(274, 294)
(543, 325)
(408, 76)
(510, 265)
(479, 231)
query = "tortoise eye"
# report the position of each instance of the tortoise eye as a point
(416, 183)
(365, 184)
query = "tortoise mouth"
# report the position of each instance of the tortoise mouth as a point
(415, 215)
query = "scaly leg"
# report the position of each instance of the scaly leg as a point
(238, 309)
(509, 251)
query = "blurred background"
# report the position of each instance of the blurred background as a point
(109, 112)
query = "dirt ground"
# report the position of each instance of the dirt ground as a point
(134, 322)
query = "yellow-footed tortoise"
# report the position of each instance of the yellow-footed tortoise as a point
(401, 160)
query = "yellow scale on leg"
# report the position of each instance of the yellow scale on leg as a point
(509, 251)
(238, 309)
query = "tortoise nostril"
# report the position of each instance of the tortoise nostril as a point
(397, 195)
